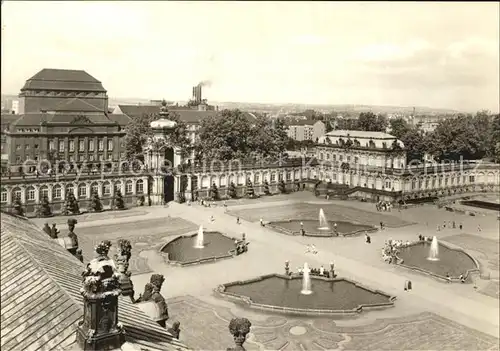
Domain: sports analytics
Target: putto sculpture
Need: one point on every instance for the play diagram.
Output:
(152, 293)
(239, 328)
(100, 329)
(122, 260)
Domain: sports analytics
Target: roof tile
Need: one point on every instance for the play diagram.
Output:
(44, 305)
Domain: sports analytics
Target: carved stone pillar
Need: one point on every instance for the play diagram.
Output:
(99, 188)
(100, 329)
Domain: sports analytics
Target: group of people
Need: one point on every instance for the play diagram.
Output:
(311, 249)
(314, 271)
(383, 206)
(452, 225)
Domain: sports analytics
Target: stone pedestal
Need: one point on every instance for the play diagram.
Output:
(99, 329)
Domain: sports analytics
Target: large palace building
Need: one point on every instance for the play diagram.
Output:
(64, 118)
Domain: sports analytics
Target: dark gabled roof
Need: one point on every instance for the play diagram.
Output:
(122, 120)
(41, 300)
(63, 79)
(76, 105)
(301, 122)
(133, 111)
(6, 119)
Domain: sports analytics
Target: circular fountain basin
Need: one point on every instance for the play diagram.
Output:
(312, 228)
(452, 261)
(182, 251)
(282, 294)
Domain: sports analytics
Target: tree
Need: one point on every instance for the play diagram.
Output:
(44, 209)
(370, 122)
(17, 207)
(71, 204)
(461, 136)
(266, 188)
(232, 190)
(399, 127)
(95, 203)
(249, 189)
(231, 134)
(118, 200)
(282, 186)
(214, 192)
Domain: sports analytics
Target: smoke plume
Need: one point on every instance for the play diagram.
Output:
(205, 83)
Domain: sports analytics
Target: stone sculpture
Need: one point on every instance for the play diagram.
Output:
(152, 293)
(122, 259)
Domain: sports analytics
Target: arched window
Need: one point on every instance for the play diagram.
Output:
(30, 194)
(56, 192)
(3, 195)
(16, 194)
(94, 188)
(44, 192)
(139, 187)
(70, 189)
(128, 187)
(107, 188)
(82, 191)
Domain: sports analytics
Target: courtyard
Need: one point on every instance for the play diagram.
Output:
(433, 316)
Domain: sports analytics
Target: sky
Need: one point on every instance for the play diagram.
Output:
(401, 54)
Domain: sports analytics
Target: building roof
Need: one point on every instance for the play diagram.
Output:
(189, 116)
(6, 119)
(301, 122)
(76, 105)
(63, 79)
(359, 134)
(41, 300)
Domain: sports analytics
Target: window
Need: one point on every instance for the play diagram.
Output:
(70, 190)
(101, 145)
(30, 194)
(109, 157)
(81, 145)
(36, 146)
(327, 156)
(139, 189)
(91, 157)
(94, 188)
(257, 178)
(44, 192)
(71, 145)
(3, 196)
(388, 184)
(27, 146)
(128, 187)
(18, 147)
(91, 145)
(118, 187)
(288, 175)
(51, 145)
(471, 179)
(82, 191)
(61, 146)
(100, 157)
(107, 189)
(273, 177)
(18, 159)
(56, 192)
(110, 145)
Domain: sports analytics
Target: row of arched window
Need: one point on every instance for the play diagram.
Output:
(82, 191)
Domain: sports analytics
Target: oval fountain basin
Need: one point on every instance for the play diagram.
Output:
(312, 227)
(449, 261)
(181, 250)
(278, 293)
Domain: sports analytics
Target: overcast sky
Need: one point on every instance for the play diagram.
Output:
(406, 54)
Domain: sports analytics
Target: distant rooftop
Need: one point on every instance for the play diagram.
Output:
(360, 134)
(63, 80)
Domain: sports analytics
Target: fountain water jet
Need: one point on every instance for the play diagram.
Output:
(306, 280)
(199, 244)
(434, 250)
(323, 223)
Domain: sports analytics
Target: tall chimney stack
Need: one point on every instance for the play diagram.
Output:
(197, 94)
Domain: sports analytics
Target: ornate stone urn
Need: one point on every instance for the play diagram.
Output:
(239, 328)
(100, 329)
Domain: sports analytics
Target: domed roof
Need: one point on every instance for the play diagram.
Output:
(163, 123)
